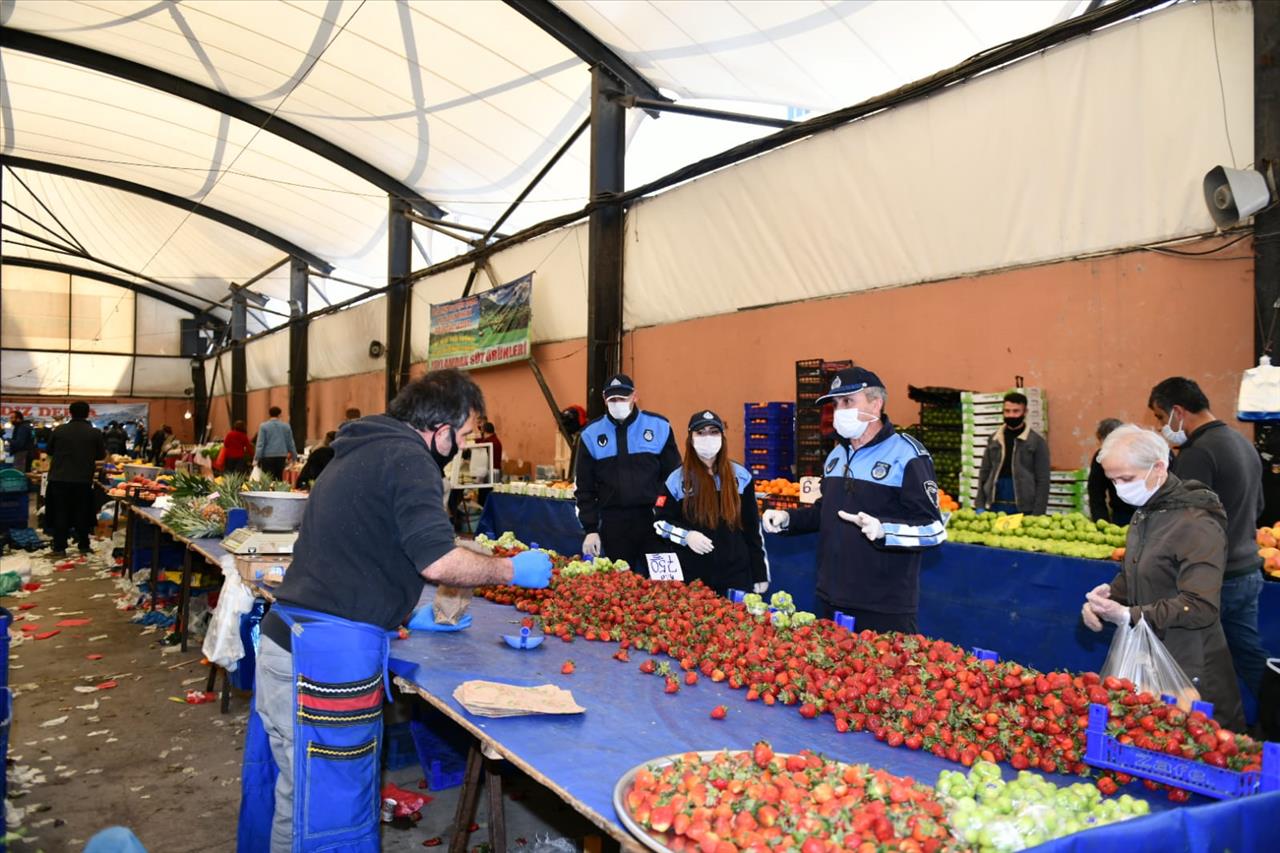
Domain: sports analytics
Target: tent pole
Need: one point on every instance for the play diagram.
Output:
(604, 229)
(399, 265)
(201, 394)
(1266, 151)
(299, 327)
(239, 369)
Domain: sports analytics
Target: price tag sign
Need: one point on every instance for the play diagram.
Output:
(810, 489)
(664, 567)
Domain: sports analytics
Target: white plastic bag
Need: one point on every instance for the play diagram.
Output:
(256, 473)
(222, 644)
(1260, 393)
(1138, 655)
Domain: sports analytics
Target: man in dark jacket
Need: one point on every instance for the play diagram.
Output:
(22, 443)
(116, 439)
(1014, 475)
(75, 447)
(877, 513)
(623, 459)
(1224, 460)
(1172, 571)
(1104, 505)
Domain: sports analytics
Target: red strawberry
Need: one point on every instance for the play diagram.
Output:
(566, 668)
(673, 686)
(691, 678)
(648, 667)
(719, 712)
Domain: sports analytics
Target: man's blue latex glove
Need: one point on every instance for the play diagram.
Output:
(424, 619)
(531, 569)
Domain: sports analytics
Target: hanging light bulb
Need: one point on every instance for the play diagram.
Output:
(186, 416)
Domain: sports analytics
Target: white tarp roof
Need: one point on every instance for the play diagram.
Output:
(462, 102)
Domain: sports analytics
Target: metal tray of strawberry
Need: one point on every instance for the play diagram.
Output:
(757, 800)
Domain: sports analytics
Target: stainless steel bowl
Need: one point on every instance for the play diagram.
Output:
(148, 471)
(275, 511)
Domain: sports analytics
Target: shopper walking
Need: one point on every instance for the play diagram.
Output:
(75, 448)
(1173, 567)
(1214, 454)
(22, 442)
(877, 513)
(708, 509)
(1014, 474)
(624, 457)
(374, 531)
(235, 449)
(275, 447)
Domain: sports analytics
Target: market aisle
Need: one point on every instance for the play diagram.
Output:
(83, 759)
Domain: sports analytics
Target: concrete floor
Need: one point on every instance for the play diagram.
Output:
(82, 761)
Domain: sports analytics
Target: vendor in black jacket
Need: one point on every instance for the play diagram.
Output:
(708, 509)
(877, 513)
(623, 459)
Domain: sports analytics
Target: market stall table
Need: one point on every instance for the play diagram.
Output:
(581, 757)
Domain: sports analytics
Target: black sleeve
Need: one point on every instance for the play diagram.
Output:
(668, 508)
(918, 521)
(806, 519)
(1195, 464)
(100, 447)
(1042, 476)
(984, 472)
(669, 459)
(754, 535)
(1098, 491)
(585, 490)
(418, 498)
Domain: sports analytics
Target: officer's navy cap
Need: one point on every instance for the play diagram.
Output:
(851, 380)
(705, 417)
(619, 385)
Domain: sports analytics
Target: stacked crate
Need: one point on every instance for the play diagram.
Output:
(815, 435)
(941, 430)
(1069, 491)
(770, 439)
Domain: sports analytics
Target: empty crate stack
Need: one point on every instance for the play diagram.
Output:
(770, 437)
(941, 431)
(814, 434)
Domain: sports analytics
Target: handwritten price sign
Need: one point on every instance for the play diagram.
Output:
(664, 567)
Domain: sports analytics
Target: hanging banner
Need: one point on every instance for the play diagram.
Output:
(43, 412)
(483, 330)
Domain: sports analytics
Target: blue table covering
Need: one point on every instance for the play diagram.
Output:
(549, 522)
(630, 720)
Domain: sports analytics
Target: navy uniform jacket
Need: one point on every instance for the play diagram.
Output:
(738, 560)
(891, 479)
(621, 466)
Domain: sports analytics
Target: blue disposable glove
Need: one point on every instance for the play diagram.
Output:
(424, 619)
(531, 569)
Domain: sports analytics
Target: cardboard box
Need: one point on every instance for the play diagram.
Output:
(263, 569)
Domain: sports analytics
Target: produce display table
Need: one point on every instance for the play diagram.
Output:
(210, 550)
(581, 757)
(1019, 604)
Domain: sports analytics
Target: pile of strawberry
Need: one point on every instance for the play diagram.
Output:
(755, 800)
(907, 690)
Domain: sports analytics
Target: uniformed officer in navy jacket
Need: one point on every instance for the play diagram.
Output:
(877, 513)
(623, 459)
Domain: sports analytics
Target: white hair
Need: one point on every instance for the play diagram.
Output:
(875, 392)
(1142, 447)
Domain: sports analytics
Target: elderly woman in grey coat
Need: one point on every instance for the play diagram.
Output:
(1172, 570)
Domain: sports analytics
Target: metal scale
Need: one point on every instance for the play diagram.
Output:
(246, 540)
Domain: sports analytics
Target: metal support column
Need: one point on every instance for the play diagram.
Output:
(239, 371)
(604, 253)
(299, 326)
(1266, 149)
(399, 263)
(200, 394)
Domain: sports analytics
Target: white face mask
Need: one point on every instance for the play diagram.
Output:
(848, 423)
(619, 410)
(707, 446)
(1136, 492)
(1175, 437)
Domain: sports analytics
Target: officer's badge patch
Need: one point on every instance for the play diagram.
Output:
(931, 489)
(880, 470)
(831, 464)
(648, 435)
(602, 440)
(835, 383)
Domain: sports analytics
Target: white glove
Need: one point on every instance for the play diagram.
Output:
(699, 543)
(760, 588)
(591, 545)
(775, 520)
(1108, 610)
(1091, 620)
(871, 526)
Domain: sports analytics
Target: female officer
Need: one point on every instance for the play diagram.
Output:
(708, 507)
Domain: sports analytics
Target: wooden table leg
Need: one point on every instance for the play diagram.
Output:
(226, 693)
(497, 817)
(155, 567)
(127, 568)
(184, 600)
(467, 799)
(115, 514)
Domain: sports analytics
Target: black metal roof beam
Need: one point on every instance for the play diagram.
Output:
(98, 275)
(172, 84)
(632, 101)
(65, 351)
(195, 207)
(564, 29)
(542, 173)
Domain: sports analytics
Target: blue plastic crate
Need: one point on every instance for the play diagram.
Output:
(768, 471)
(15, 509)
(771, 429)
(442, 747)
(1104, 751)
(398, 750)
(13, 481)
(770, 441)
(755, 414)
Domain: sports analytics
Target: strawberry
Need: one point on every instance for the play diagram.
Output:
(566, 668)
(691, 678)
(719, 712)
(648, 667)
(673, 686)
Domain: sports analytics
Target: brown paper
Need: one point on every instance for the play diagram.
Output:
(494, 699)
(450, 604)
